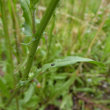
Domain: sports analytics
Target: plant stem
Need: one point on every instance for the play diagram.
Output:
(16, 31)
(33, 22)
(6, 36)
(38, 35)
(15, 27)
(34, 46)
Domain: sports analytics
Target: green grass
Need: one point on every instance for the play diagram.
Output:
(54, 54)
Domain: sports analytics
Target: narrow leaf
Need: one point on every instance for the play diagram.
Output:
(68, 61)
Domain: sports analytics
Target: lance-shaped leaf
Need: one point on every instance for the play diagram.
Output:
(69, 60)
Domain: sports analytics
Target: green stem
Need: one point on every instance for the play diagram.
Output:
(38, 35)
(33, 22)
(14, 19)
(34, 46)
(15, 23)
(6, 36)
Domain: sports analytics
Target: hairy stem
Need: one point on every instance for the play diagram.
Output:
(16, 30)
(33, 22)
(34, 46)
(38, 35)
(6, 36)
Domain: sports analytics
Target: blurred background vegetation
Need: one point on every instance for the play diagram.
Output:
(77, 28)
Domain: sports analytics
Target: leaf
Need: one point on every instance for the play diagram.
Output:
(60, 76)
(33, 3)
(59, 89)
(3, 87)
(68, 83)
(68, 61)
(67, 102)
(28, 94)
(85, 90)
(26, 12)
(107, 45)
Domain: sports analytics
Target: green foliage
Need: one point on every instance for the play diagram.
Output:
(25, 4)
(66, 61)
(33, 3)
(70, 70)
